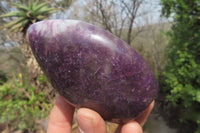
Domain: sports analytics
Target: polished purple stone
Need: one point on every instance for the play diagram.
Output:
(92, 68)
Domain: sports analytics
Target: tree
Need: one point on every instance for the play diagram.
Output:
(116, 16)
(181, 79)
(26, 97)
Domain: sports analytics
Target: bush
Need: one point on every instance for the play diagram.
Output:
(21, 106)
(181, 79)
(3, 77)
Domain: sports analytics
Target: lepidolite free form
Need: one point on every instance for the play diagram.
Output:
(93, 68)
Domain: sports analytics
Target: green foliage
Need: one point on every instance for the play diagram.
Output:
(22, 105)
(27, 15)
(181, 79)
(43, 79)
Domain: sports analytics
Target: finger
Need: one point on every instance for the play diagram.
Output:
(141, 119)
(131, 127)
(60, 120)
(90, 121)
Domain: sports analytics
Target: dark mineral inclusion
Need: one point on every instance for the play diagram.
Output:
(92, 68)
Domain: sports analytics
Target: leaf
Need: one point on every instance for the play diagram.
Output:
(20, 7)
(13, 14)
(198, 96)
(30, 6)
(18, 26)
(14, 22)
(46, 11)
(41, 17)
(39, 6)
(35, 4)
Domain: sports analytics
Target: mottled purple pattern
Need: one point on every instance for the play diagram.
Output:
(92, 68)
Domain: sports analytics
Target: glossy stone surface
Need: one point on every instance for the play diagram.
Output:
(92, 68)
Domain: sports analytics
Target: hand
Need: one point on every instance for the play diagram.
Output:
(89, 121)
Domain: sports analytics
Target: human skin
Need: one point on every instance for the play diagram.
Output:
(89, 121)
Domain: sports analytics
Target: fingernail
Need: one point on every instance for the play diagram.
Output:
(132, 127)
(86, 122)
(80, 130)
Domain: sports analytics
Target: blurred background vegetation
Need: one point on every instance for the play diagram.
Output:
(165, 32)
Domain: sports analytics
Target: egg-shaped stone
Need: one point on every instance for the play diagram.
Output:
(90, 67)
